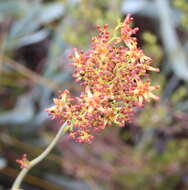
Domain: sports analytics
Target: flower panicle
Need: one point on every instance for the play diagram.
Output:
(114, 74)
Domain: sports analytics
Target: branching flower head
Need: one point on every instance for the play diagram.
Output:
(114, 74)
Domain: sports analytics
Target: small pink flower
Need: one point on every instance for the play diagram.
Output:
(24, 162)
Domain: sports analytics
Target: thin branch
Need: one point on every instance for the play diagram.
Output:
(24, 171)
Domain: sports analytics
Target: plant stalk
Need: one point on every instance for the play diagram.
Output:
(24, 171)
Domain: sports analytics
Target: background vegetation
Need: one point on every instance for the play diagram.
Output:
(35, 40)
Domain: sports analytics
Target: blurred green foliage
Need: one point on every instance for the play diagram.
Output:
(86, 15)
(183, 5)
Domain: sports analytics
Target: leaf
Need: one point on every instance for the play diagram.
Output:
(23, 31)
(33, 38)
(50, 12)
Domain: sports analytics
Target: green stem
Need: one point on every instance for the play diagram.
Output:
(24, 171)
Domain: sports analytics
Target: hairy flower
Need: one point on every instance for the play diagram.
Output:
(113, 73)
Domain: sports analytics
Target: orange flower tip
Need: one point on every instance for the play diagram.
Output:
(157, 86)
(70, 56)
(153, 96)
(50, 110)
(47, 110)
(136, 29)
(128, 19)
(153, 69)
(66, 91)
(157, 98)
(68, 122)
(93, 39)
(140, 105)
(157, 70)
(105, 26)
(98, 27)
(129, 16)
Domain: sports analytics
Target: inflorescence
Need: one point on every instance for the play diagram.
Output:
(114, 74)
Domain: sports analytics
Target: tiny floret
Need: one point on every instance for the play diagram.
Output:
(114, 76)
(24, 162)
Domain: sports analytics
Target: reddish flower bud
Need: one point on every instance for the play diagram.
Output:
(24, 162)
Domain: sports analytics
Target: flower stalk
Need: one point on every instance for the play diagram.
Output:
(30, 164)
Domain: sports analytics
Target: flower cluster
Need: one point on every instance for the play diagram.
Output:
(114, 74)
